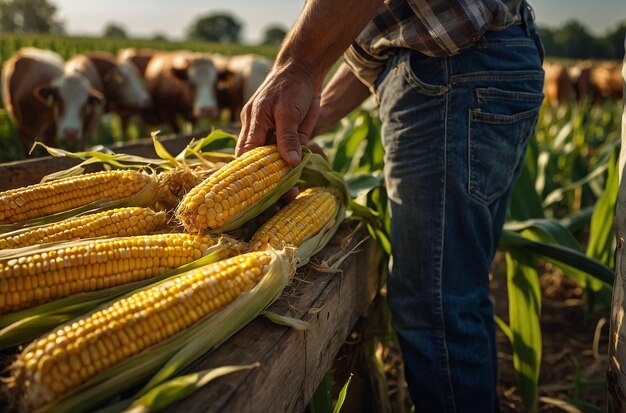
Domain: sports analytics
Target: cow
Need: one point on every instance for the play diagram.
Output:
(182, 84)
(241, 77)
(606, 78)
(122, 84)
(138, 57)
(85, 105)
(44, 98)
(558, 87)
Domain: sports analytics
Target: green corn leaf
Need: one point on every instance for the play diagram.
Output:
(181, 387)
(525, 202)
(504, 327)
(342, 396)
(524, 312)
(359, 185)
(511, 241)
(601, 231)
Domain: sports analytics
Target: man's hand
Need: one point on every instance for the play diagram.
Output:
(288, 102)
(286, 105)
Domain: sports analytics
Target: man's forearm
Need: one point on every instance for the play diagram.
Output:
(323, 32)
(344, 93)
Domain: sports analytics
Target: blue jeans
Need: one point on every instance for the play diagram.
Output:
(455, 131)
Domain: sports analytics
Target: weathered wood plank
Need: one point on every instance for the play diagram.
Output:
(293, 363)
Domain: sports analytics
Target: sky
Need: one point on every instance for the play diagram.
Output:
(171, 17)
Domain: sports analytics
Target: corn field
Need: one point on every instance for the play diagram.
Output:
(561, 215)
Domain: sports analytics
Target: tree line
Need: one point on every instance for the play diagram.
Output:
(572, 40)
(40, 16)
(575, 41)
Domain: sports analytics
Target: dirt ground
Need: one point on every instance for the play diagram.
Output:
(573, 366)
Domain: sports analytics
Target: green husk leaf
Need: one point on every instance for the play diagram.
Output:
(104, 155)
(167, 358)
(178, 388)
(283, 320)
(161, 151)
(26, 325)
(315, 244)
(318, 172)
(290, 180)
(196, 147)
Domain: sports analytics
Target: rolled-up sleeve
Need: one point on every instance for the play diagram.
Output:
(365, 67)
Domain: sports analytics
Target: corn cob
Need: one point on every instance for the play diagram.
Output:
(74, 353)
(89, 265)
(233, 188)
(39, 200)
(300, 220)
(120, 222)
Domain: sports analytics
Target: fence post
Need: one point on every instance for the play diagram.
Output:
(616, 375)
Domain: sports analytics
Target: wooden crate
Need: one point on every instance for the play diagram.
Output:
(293, 363)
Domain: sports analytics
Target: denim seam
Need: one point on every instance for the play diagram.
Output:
(485, 117)
(507, 43)
(509, 76)
(499, 94)
(416, 83)
(446, 358)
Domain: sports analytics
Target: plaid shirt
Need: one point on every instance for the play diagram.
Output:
(436, 28)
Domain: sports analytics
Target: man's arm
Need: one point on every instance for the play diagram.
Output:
(288, 101)
(344, 93)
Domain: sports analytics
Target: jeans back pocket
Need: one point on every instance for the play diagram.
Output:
(499, 129)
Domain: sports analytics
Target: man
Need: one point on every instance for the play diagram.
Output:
(459, 85)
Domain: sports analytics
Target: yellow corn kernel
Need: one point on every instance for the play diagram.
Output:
(47, 198)
(168, 307)
(120, 222)
(232, 189)
(91, 265)
(300, 220)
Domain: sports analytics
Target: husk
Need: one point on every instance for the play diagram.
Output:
(167, 358)
(315, 244)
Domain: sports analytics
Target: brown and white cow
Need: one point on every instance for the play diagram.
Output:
(44, 98)
(182, 84)
(243, 76)
(607, 81)
(558, 87)
(122, 84)
(83, 100)
(138, 57)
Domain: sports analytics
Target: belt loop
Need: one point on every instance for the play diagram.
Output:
(526, 15)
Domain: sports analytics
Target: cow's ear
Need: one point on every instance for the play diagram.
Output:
(96, 97)
(180, 73)
(180, 67)
(225, 75)
(45, 93)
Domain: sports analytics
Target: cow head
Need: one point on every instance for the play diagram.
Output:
(127, 85)
(201, 75)
(73, 102)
